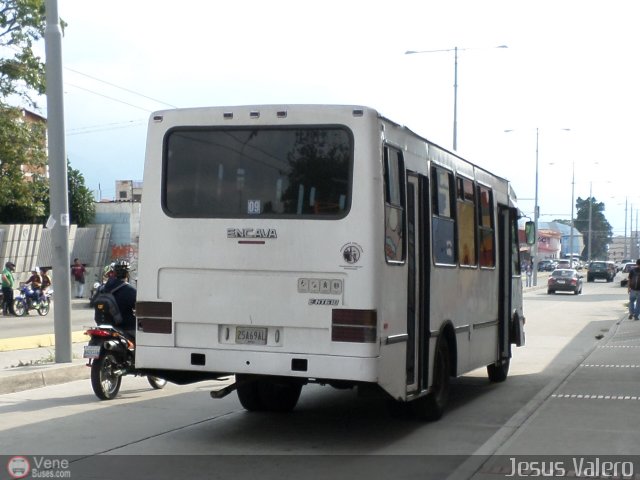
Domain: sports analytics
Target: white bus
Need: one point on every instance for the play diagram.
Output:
(304, 243)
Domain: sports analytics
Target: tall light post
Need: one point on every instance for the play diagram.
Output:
(590, 221)
(573, 196)
(536, 215)
(455, 82)
(536, 208)
(626, 200)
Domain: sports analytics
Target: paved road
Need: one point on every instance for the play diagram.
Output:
(34, 324)
(67, 420)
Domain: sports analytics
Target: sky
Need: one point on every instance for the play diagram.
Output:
(569, 64)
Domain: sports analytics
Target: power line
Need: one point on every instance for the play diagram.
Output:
(105, 127)
(121, 88)
(110, 98)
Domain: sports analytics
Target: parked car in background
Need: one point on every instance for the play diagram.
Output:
(546, 265)
(620, 265)
(602, 270)
(625, 271)
(565, 280)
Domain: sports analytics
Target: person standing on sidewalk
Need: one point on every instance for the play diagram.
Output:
(8, 284)
(633, 287)
(78, 271)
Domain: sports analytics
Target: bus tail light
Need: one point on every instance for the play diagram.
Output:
(358, 326)
(154, 317)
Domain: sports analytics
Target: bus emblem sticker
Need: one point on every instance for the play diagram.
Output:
(351, 253)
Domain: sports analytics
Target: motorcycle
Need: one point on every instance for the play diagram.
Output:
(111, 355)
(24, 301)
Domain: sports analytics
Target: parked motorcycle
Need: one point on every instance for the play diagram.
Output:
(111, 355)
(24, 301)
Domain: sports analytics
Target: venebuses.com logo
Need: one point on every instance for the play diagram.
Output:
(19, 466)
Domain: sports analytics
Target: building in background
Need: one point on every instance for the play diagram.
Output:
(128, 191)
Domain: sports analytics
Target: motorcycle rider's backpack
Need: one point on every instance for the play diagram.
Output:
(106, 308)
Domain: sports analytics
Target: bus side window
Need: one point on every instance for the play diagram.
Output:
(466, 201)
(515, 245)
(485, 228)
(443, 220)
(394, 205)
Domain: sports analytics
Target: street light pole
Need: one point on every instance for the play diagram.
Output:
(626, 200)
(455, 83)
(455, 99)
(536, 209)
(590, 220)
(573, 188)
(536, 215)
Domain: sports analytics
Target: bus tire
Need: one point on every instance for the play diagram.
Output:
(279, 396)
(431, 407)
(249, 394)
(498, 371)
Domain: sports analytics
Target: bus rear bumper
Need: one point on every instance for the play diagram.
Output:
(226, 362)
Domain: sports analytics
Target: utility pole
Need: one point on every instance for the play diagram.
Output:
(58, 189)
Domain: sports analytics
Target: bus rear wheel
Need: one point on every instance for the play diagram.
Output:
(249, 394)
(431, 407)
(272, 395)
(280, 396)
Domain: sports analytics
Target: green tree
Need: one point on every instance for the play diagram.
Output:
(22, 143)
(82, 208)
(22, 73)
(24, 189)
(601, 232)
(23, 160)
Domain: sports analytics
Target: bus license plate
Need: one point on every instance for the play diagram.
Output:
(91, 351)
(251, 336)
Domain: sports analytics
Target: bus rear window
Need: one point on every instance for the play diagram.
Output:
(244, 172)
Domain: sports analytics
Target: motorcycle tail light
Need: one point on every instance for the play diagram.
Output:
(98, 332)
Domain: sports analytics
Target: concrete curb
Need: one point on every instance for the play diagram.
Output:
(26, 378)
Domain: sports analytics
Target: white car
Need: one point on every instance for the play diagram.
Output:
(625, 273)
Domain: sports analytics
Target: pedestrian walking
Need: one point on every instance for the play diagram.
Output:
(633, 286)
(8, 284)
(529, 273)
(78, 271)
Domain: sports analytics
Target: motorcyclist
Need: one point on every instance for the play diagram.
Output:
(46, 283)
(125, 297)
(35, 282)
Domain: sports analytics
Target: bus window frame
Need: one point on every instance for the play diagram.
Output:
(401, 208)
(190, 128)
(482, 228)
(460, 199)
(436, 217)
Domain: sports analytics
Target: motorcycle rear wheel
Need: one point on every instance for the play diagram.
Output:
(43, 309)
(156, 382)
(105, 383)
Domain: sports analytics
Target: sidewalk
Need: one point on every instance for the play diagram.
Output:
(35, 367)
(591, 413)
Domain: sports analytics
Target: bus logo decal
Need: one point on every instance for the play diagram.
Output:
(351, 253)
(252, 233)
